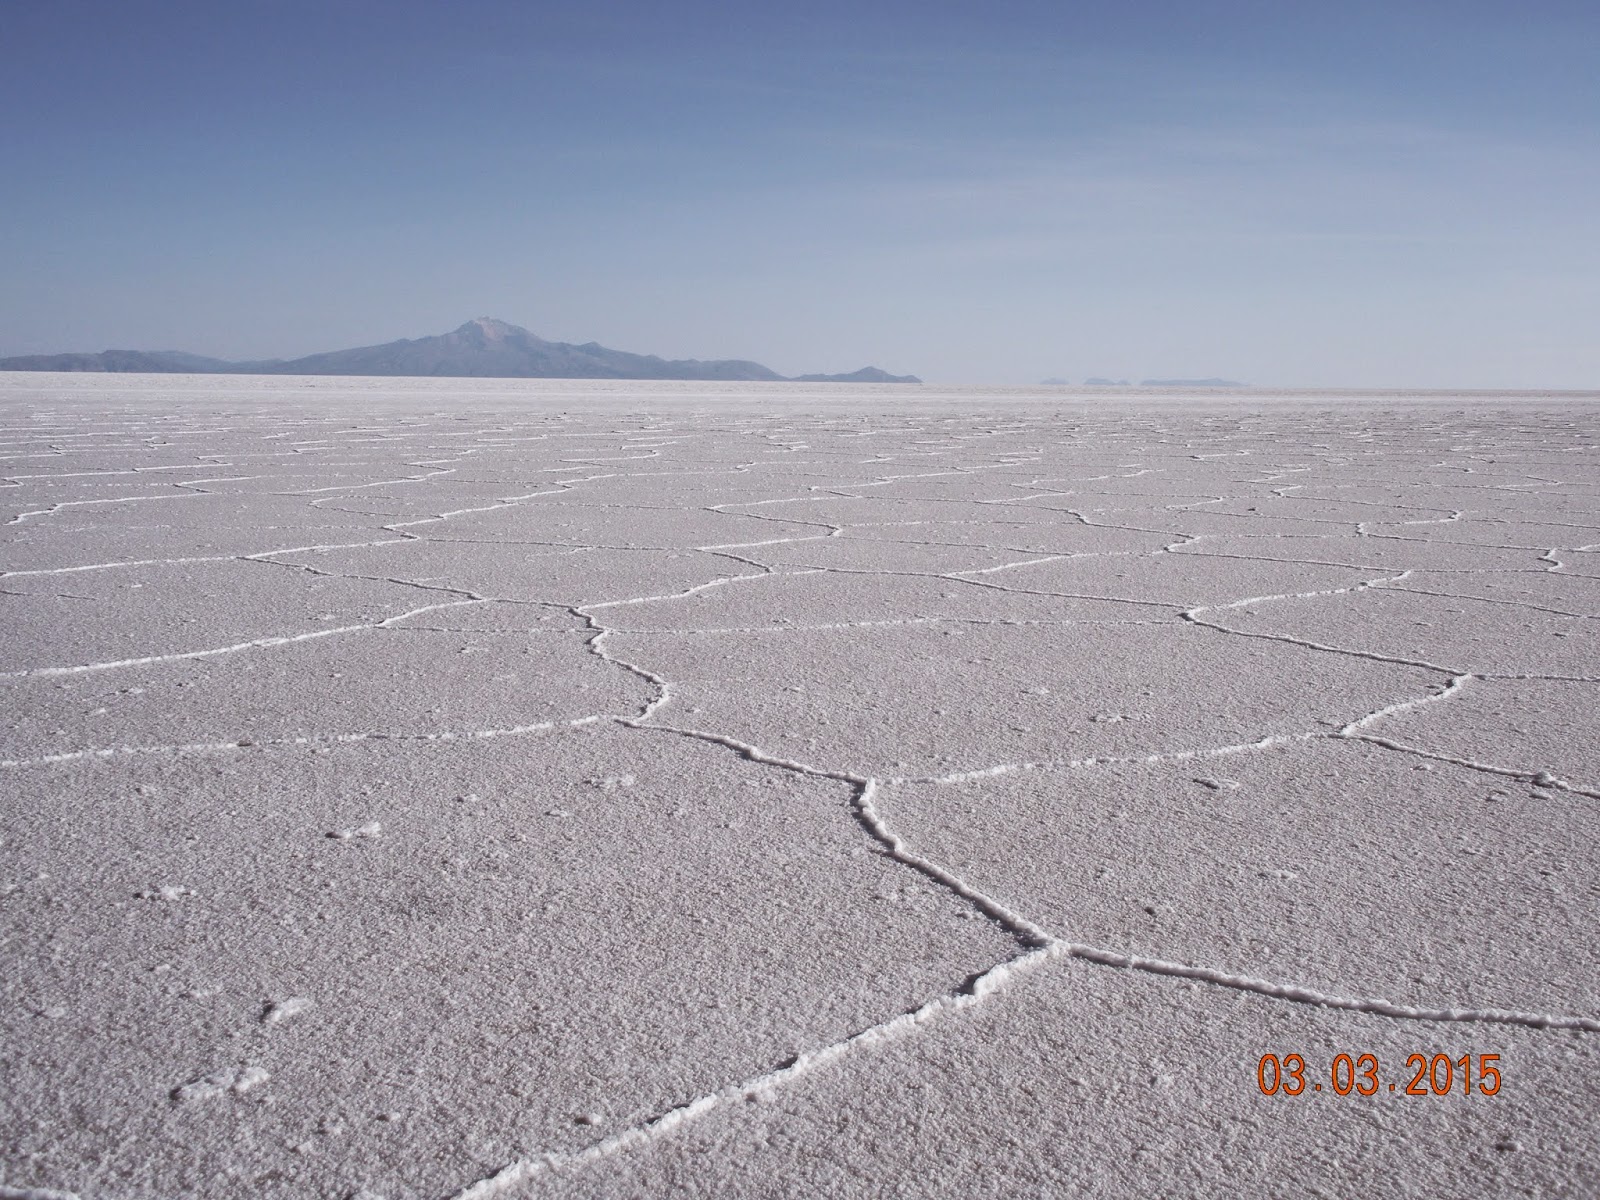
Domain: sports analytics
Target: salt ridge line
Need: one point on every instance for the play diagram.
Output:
(1193, 616)
(355, 487)
(1316, 999)
(803, 1064)
(195, 484)
(1029, 934)
(320, 739)
(204, 558)
(32, 1193)
(1195, 538)
(1479, 518)
(253, 644)
(469, 596)
(693, 590)
(195, 466)
(1542, 779)
(1270, 742)
(1556, 612)
(1435, 542)
(1451, 689)
(961, 576)
(22, 517)
(886, 623)
(596, 644)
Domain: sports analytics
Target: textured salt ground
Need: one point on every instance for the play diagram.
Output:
(1380, 494)
(1085, 539)
(1203, 523)
(1586, 564)
(806, 600)
(1499, 531)
(875, 509)
(508, 953)
(1291, 505)
(1081, 1081)
(495, 616)
(1382, 555)
(1016, 694)
(1013, 530)
(183, 525)
(848, 552)
(1523, 727)
(1298, 863)
(551, 522)
(389, 682)
(304, 959)
(708, 485)
(321, 487)
(1562, 591)
(1465, 634)
(135, 612)
(1177, 581)
(545, 574)
(26, 500)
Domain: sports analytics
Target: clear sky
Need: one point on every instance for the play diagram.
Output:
(1286, 193)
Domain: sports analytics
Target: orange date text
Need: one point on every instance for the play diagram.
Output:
(1423, 1075)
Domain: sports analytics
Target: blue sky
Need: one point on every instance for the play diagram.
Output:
(1357, 194)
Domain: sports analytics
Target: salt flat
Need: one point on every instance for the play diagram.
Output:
(453, 788)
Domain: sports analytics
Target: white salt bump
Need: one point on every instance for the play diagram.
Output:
(284, 1009)
(250, 1077)
(209, 1087)
(169, 893)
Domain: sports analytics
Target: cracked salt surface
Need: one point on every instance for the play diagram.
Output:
(603, 789)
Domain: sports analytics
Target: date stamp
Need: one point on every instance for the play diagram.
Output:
(1424, 1075)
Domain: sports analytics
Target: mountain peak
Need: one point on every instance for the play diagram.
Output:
(492, 329)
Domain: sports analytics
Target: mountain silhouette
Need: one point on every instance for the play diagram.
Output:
(484, 348)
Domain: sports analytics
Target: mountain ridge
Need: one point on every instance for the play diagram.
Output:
(482, 348)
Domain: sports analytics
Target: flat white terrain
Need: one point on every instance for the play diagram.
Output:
(504, 788)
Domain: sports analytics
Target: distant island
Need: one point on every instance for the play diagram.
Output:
(484, 348)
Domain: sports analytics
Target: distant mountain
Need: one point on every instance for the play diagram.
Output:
(484, 348)
(154, 361)
(487, 347)
(1191, 383)
(864, 375)
(1096, 381)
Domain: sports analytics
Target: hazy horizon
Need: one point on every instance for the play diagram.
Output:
(1362, 197)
